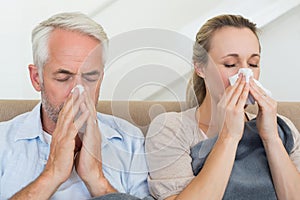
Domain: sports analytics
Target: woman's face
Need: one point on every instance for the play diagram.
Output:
(230, 49)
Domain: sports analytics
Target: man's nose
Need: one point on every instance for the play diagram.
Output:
(78, 79)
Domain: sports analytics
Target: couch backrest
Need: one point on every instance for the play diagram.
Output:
(140, 113)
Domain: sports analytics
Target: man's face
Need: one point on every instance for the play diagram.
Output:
(73, 59)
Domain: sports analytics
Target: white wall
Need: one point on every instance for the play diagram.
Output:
(17, 20)
(280, 56)
(280, 46)
(280, 68)
(14, 52)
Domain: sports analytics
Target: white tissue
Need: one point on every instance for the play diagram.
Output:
(80, 87)
(248, 73)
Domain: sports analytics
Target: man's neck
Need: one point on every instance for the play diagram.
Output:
(47, 124)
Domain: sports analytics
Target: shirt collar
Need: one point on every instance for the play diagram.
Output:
(31, 127)
(109, 127)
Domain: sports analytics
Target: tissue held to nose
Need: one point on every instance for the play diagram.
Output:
(245, 71)
(77, 115)
(80, 87)
(248, 73)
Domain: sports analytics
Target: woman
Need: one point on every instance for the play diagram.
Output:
(218, 128)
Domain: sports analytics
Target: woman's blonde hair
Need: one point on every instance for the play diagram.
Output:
(196, 90)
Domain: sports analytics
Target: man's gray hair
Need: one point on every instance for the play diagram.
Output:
(73, 21)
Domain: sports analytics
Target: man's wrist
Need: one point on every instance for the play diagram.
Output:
(42, 188)
(50, 180)
(99, 186)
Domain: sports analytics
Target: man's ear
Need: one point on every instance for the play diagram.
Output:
(34, 77)
(199, 69)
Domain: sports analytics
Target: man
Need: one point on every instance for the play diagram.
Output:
(42, 153)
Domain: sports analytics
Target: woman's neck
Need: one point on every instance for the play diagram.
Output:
(206, 118)
(204, 115)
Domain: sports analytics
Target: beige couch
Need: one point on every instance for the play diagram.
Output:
(140, 113)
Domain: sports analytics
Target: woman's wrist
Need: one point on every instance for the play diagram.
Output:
(229, 138)
(272, 142)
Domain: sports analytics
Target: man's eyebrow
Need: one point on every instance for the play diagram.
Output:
(95, 72)
(63, 71)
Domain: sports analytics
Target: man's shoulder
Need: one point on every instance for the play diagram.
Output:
(14, 122)
(20, 119)
(9, 130)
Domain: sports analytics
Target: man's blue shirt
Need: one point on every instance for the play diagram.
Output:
(24, 152)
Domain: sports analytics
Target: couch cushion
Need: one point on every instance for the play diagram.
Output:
(140, 113)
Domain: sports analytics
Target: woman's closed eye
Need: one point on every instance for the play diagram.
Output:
(253, 65)
(229, 65)
(235, 65)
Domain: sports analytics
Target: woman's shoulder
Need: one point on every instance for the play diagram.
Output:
(294, 130)
(289, 123)
(175, 126)
(170, 117)
(295, 152)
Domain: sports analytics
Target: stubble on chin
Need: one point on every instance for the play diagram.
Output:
(51, 110)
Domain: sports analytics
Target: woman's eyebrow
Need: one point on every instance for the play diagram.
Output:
(254, 55)
(231, 55)
(236, 55)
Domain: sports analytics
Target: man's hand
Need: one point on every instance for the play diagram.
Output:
(89, 160)
(61, 158)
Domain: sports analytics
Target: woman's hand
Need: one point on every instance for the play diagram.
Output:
(231, 110)
(267, 113)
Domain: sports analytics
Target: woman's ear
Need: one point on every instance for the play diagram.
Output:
(34, 77)
(199, 69)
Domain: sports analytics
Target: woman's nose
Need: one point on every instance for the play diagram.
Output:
(244, 65)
